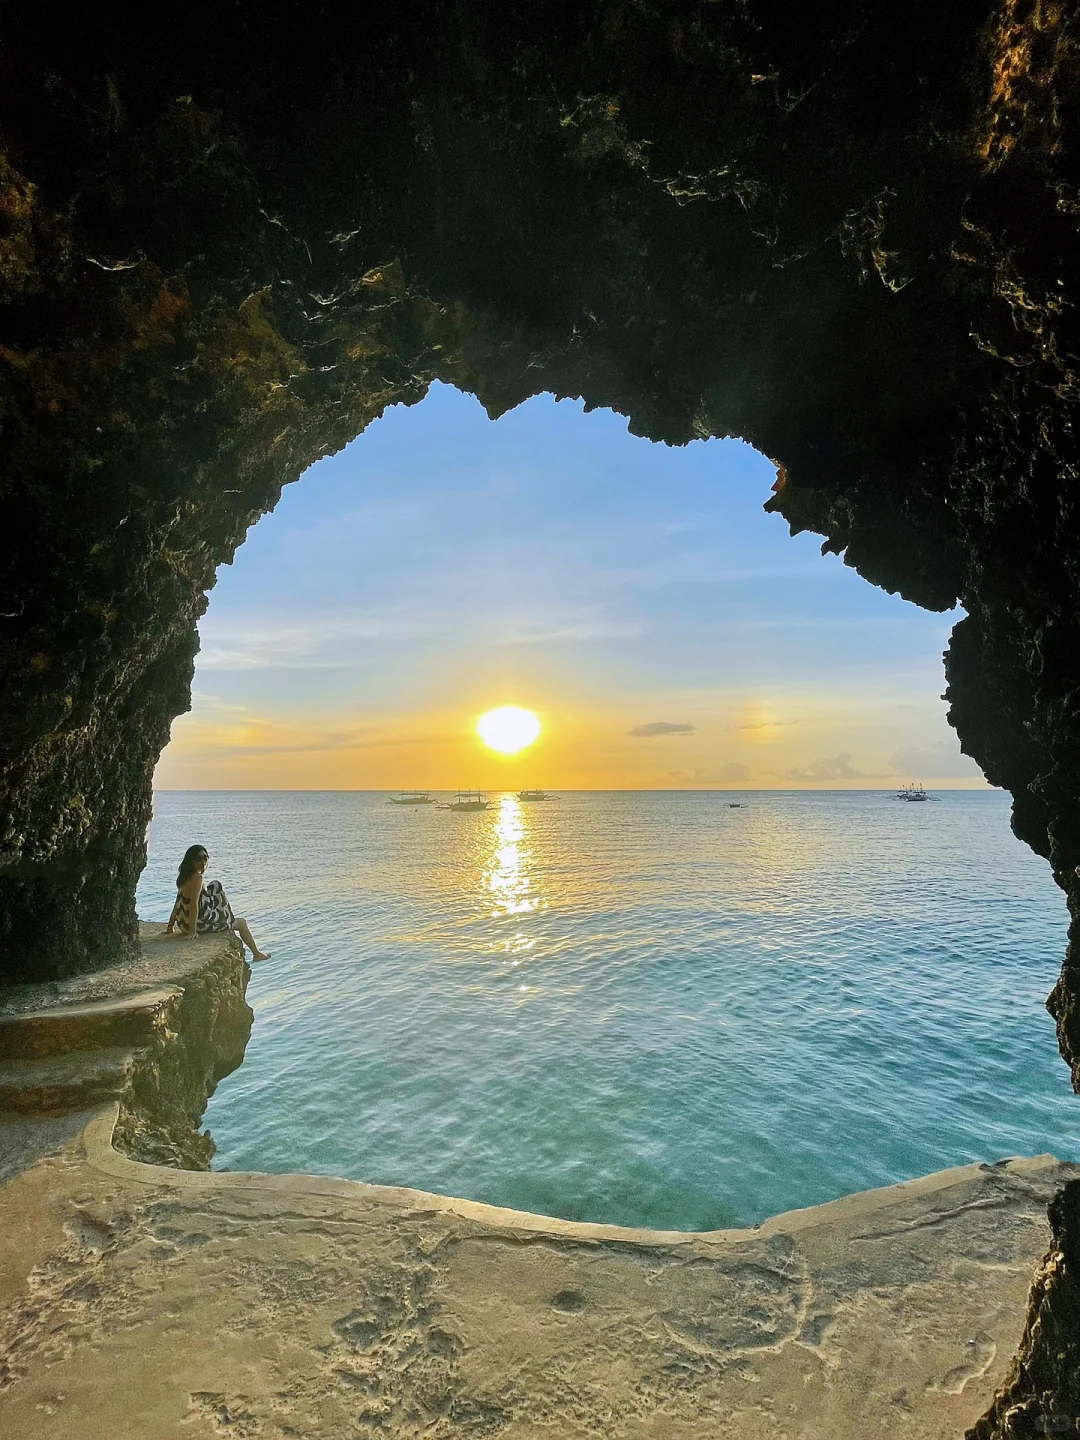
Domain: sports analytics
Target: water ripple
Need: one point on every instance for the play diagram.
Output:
(640, 1008)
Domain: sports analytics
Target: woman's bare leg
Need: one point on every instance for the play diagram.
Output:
(241, 928)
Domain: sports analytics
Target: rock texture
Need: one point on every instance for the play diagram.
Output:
(1041, 1395)
(138, 1303)
(845, 232)
(157, 1034)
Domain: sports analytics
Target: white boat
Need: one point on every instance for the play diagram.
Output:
(534, 795)
(468, 800)
(411, 797)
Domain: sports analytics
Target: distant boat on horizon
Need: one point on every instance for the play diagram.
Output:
(412, 797)
(911, 791)
(534, 795)
(468, 800)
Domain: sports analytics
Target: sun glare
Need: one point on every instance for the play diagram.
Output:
(508, 729)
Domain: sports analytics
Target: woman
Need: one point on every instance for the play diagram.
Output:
(206, 901)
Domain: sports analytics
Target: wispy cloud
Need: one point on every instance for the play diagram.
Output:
(216, 731)
(941, 761)
(581, 630)
(315, 642)
(727, 774)
(322, 640)
(833, 767)
(764, 724)
(660, 727)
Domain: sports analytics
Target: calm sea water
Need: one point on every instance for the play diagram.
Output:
(644, 1008)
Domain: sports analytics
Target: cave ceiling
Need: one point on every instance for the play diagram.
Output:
(232, 235)
(229, 239)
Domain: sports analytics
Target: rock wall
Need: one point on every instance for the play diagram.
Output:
(204, 1040)
(847, 236)
(1041, 1395)
(845, 232)
(153, 1035)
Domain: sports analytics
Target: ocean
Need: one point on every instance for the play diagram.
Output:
(641, 1008)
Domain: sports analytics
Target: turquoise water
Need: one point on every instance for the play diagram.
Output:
(642, 1008)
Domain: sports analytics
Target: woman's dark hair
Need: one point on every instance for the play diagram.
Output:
(192, 855)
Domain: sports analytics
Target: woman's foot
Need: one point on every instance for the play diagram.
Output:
(243, 929)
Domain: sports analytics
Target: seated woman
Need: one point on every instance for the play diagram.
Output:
(205, 900)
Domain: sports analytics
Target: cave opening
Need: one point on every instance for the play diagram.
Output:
(727, 716)
(442, 560)
(847, 234)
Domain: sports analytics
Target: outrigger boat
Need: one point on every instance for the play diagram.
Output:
(534, 795)
(912, 791)
(468, 800)
(411, 797)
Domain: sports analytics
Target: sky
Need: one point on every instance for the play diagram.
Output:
(668, 633)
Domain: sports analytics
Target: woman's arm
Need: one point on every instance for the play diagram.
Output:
(173, 916)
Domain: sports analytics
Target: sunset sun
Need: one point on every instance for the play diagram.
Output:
(508, 729)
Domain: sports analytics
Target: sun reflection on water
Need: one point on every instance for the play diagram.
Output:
(509, 876)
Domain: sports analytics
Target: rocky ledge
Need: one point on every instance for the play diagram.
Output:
(138, 1302)
(142, 1301)
(155, 1034)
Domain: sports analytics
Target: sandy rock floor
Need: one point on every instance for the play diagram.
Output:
(139, 1302)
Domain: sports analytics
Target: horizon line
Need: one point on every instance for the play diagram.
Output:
(571, 789)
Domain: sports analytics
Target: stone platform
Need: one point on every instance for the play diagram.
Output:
(155, 1035)
(139, 1302)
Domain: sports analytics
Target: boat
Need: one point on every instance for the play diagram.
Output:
(468, 800)
(411, 797)
(911, 791)
(534, 795)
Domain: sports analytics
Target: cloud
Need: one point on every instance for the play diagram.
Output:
(319, 640)
(574, 631)
(726, 774)
(941, 761)
(660, 727)
(733, 770)
(313, 642)
(215, 731)
(833, 767)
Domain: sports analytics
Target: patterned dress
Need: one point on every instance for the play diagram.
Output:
(215, 912)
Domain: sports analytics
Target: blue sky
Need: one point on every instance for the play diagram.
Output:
(443, 564)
